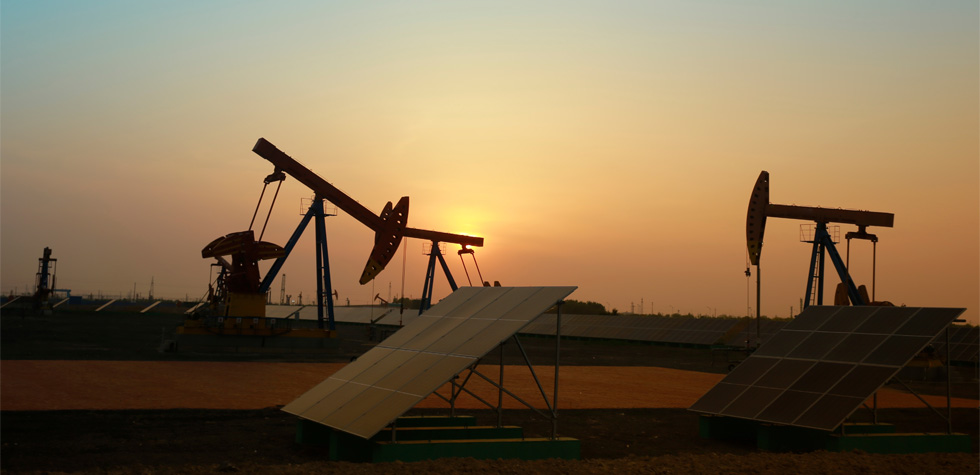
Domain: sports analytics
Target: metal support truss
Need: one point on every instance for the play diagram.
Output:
(822, 243)
(456, 389)
(430, 276)
(948, 417)
(323, 285)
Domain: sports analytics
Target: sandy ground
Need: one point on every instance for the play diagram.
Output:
(27, 385)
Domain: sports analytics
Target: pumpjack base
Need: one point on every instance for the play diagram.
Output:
(251, 335)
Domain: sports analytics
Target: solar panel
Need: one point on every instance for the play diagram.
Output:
(367, 394)
(768, 329)
(964, 343)
(700, 331)
(824, 364)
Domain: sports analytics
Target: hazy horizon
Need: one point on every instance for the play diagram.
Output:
(611, 146)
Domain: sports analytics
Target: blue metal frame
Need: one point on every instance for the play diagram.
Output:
(430, 277)
(822, 242)
(274, 270)
(323, 286)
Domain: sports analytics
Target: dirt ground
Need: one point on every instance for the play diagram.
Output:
(647, 440)
(134, 385)
(138, 411)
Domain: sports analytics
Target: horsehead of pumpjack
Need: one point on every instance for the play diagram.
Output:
(386, 238)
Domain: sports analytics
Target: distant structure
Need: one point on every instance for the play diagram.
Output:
(44, 281)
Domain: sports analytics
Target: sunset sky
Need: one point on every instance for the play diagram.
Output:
(608, 145)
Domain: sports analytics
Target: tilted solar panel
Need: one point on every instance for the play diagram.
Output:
(367, 394)
(824, 364)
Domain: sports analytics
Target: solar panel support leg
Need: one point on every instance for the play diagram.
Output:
(874, 408)
(949, 402)
(452, 396)
(500, 390)
(554, 396)
(534, 375)
(906, 386)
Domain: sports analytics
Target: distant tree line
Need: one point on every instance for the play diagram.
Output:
(408, 303)
(576, 307)
(571, 307)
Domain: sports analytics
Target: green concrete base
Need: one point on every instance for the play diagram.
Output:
(435, 421)
(779, 438)
(726, 428)
(312, 433)
(868, 428)
(450, 433)
(872, 438)
(426, 438)
(525, 449)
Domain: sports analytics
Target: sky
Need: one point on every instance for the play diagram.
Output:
(607, 145)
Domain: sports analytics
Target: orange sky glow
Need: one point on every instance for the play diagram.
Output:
(608, 145)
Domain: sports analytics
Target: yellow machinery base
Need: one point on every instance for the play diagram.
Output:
(248, 334)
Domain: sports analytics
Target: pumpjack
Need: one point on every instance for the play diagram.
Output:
(822, 243)
(238, 294)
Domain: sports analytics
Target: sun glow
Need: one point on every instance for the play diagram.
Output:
(467, 220)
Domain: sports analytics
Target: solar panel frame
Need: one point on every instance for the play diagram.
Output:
(784, 373)
(767, 329)
(892, 351)
(821, 375)
(820, 367)
(789, 340)
(966, 347)
(752, 401)
(816, 345)
(648, 328)
(718, 397)
(830, 407)
(751, 370)
(367, 394)
(788, 406)
(845, 319)
(412, 367)
(466, 330)
(862, 381)
(886, 322)
(855, 347)
(928, 326)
